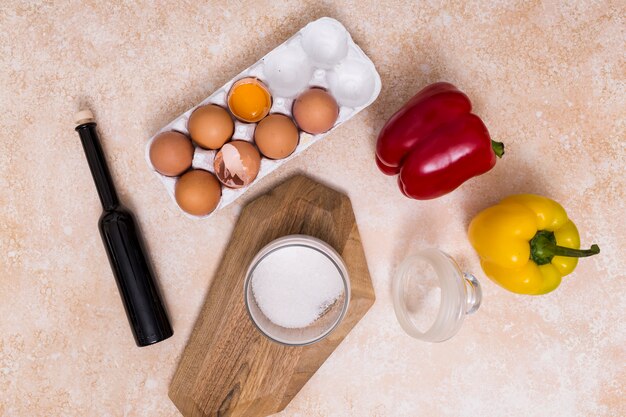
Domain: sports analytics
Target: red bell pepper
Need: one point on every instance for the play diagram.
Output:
(435, 143)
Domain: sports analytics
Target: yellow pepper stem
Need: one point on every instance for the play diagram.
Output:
(543, 248)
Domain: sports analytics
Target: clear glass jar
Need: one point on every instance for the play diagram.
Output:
(459, 293)
(331, 316)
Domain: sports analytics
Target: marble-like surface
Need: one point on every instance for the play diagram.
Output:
(549, 79)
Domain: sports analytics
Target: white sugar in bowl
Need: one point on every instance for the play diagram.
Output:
(297, 290)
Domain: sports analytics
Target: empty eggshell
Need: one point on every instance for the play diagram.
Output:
(198, 192)
(325, 42)
(171, 153)
(352, 82)
(210, 126)
(287, 70)
(315, 111)
(237, 164)
(276, 136)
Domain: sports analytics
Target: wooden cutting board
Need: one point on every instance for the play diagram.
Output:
(228, 367)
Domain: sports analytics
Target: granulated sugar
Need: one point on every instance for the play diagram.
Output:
(295, 285)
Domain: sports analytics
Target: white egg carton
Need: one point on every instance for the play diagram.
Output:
(322, 54)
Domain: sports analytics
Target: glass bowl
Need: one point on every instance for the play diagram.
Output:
(423, 278)
(331, 314)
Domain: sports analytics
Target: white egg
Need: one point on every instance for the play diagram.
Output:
(326, 42)
(352, 82)
(287, 71)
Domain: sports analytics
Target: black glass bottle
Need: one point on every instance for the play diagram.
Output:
(124, 246)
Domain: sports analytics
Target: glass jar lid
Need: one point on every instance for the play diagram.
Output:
(432, 280)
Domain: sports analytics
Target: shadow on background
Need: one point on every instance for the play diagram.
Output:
(510, 176)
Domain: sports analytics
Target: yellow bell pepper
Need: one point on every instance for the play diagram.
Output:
(526, 243)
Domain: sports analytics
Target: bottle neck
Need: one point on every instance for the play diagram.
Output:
(97, 165)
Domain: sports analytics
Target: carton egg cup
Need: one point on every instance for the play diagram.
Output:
(322, 54)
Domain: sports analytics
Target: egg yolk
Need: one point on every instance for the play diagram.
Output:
(249, 100)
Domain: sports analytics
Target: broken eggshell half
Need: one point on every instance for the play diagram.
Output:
(237, 164)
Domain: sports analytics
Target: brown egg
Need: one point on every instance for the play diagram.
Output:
(171, 153)
(276, 136)
(237, 164)
(315, 111)
(198, 192)
(210, 126)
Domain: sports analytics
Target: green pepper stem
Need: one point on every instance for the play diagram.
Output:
(543, 248)
(498, 148)
(575, 253)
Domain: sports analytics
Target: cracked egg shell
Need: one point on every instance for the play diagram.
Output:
(249, 100)
(237, 164)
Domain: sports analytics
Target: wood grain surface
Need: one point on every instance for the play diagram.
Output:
(228, 367)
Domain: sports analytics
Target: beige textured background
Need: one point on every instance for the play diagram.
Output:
(549, 80)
